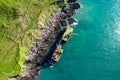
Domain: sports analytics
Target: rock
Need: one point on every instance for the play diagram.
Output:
(28, 61)
(56, 24)
(70, 13)
(74, 6)
(71, 21)
(25, 78)
(63, 16)
(71, 1)
(63, 22)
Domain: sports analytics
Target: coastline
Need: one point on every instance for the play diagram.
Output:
(40, 48)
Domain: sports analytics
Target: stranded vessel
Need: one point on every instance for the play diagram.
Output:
(56, 51)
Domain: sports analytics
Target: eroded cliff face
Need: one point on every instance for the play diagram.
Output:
(39, 51)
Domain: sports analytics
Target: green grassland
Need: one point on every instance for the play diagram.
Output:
(20, 23)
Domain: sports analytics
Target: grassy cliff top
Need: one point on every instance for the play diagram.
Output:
(20, 23)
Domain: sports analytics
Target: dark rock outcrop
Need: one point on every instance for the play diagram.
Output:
(74, 6)
(71, 21)
(71, 1)
(25, 78)
(63, 22)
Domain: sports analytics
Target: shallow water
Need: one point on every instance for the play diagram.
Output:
(94, 53)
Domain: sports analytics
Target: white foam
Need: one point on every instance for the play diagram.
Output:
(81, 6)
(75, 23)
(51, 66)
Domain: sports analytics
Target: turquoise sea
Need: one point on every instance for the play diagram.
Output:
(94, 53)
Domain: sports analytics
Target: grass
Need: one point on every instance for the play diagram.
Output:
(20, 23)
(8, 59)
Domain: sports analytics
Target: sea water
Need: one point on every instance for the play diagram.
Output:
(93, 51)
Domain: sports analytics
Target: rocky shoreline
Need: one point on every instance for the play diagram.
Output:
(58, 21)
